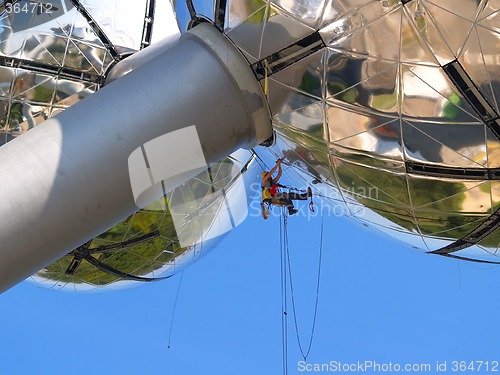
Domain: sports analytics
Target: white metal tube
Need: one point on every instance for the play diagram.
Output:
(67, 180)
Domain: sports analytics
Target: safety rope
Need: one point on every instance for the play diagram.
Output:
(286, 263)
(284, 321)
(174, 308)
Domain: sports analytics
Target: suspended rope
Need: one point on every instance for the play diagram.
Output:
(284, 322)
(174, 308)
(261, 162)
(288, 269)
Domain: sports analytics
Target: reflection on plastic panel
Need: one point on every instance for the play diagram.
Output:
(453, 24)
(449, 195)
(6, 77)
(375, 136)
(309, 119)
(382, 185)
(435, 143)
(239, 11)
(447, 224)
(122, 21)
(306, 75)
(352, 78)
(431, 35)
(162, 254)
(435, 243)
(342, 18)
(248, 35)
(280, 31)
(428, 93)
(492, 242)
(307, 11)
(285, 99)
(478, 253)
(480, 59)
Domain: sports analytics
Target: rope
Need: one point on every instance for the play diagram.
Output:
(261, 162)
(284, 245)
(173, 309)
(284, 322)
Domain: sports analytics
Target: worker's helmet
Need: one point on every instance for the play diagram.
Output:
(264, 174)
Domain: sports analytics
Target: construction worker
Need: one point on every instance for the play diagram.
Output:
(271, 194)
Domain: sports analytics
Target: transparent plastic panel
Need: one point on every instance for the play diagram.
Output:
(488, 9)
(362, 81)
(7, 76)
(364, 84)
(430, 34)
(306, 11)
(495, 195)
(440, 144)
(280, 31)
(492, 242)
(374, 144)
(239, 11)
(344, 123)
(427, 93)
(479, 253)
(378, 185)
(468, 9)
(493, 146)
(121, 20)
(309, 119)
(452, 26)
(376, 161)
(164, 22)
(285, 99)
(411, 238)
(67, 41)
(308, 156)
(248, 34)
(392, 217)
(480, 59)
(450, 195)
(415, 48)
(342, 18)
(146, 244)
(380, 38)
(305, 76)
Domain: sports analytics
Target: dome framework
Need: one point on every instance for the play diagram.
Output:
(393, 106)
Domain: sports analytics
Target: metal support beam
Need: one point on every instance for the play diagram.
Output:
(68, 179)
(147, 32)
(62, 72)
(288, 56)
(473, 95)
(444, 171)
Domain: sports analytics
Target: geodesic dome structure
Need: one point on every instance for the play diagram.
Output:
(391, 107)
(394, 105)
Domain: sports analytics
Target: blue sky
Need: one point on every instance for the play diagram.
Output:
(379, 301)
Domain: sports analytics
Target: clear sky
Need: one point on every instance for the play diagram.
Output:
(379, 301)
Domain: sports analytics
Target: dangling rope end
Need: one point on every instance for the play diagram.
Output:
(311, 206)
